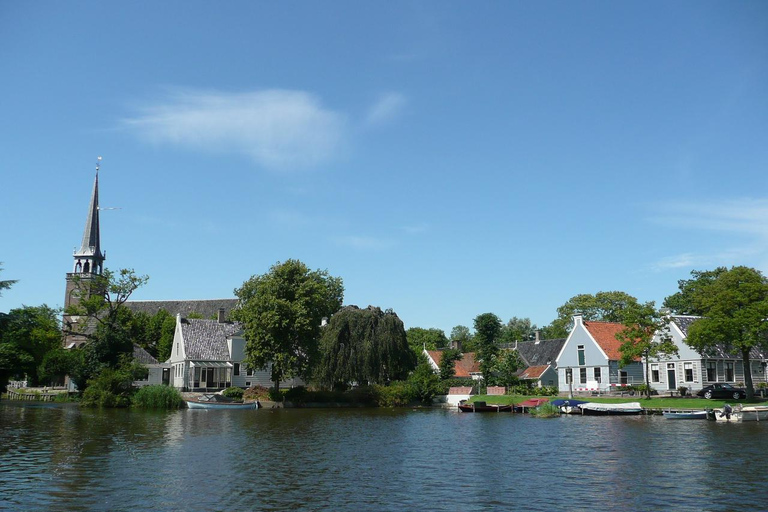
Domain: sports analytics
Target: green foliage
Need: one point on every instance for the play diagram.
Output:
(735, 308)
(684, 302)
(602, 307)
(156, 397)
(364, 346)
(300, 395)
(487, 332)
(420, 338)
(424, 382)
(5, 285)
(448, 363)
(463, 335)
(645, 336)
(27, 334)
(396, 394)
(281, 312)
(60, 362)
(235, 393)
(112, 387)
(503, 368)
(154, 333)
(257, 393)
(517, 329)
(545, 410)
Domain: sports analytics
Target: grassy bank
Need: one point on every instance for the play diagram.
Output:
(654, 403)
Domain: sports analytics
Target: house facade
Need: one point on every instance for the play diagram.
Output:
(589, 359)
(695, 370)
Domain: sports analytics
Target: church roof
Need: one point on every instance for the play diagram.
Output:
(207, 309)
(91, 244)
(207, 339)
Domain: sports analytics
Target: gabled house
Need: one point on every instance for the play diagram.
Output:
(208, 355)
(589, 359)
(466, 368)
(157, 372)
(695, 370)
(539, 358)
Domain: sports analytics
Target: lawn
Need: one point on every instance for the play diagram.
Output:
(653, 403)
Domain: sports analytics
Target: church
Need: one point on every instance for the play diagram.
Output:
(208, 351)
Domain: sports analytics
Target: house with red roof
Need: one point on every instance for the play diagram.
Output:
(589, 359)
(466, 368)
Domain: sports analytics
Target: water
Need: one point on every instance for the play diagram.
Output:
(60, 457)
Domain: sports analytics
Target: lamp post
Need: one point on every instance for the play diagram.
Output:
(569, 379)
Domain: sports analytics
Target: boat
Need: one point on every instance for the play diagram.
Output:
(568, 406)
(483, 407)
(600, 409)
(685, 415)
(740, 413)
(216, 401)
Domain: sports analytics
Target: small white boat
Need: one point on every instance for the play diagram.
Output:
(685, 415)
(741, 413)
(216, 401)
(601, 409)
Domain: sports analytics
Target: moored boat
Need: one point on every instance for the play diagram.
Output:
(216, 401)
(685, 415)
(601, 409)
(740, 413)
(484, 407)
(568, 406)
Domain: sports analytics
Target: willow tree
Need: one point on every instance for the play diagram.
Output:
(281, 312)
(364, 346)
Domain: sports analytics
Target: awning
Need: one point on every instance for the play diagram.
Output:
(211, 364)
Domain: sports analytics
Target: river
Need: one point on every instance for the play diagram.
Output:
(61, 457)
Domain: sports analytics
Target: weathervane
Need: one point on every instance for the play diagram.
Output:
(98, 164)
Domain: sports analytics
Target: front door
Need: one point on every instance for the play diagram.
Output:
(209, 382)
(671, 377)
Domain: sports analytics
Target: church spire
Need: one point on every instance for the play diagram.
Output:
(89, 259)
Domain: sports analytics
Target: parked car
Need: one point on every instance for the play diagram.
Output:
(722, 391)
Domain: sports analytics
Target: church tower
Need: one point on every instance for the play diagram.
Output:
(89, 259)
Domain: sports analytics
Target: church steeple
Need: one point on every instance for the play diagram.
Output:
(89, 259)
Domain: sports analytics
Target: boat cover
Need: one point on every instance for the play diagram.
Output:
(567, 402)
(594, 406)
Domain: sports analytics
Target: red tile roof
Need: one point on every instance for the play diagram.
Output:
(604, 334)
(534, 372)
(464, 367)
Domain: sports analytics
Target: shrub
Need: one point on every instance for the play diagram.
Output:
(396, 394)
(110, 388)
(235, 393)
(257, 393)
(157, 397)
(545, 410)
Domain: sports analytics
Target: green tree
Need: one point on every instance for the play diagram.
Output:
(448, 363)
(487, 332)
(5, 285)
(601, 307)
(108, 322)
(645, 336)
(463, 335)
(735, 309)
(59, 363)
(684, 302)
(281, 312)
(517, 329)
(154, 333)
(504, 368)
(29, 332)
(367, 346)
(431, 339)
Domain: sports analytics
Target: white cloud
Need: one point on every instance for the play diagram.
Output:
(277, 128)
(365, 243)
(386, 108)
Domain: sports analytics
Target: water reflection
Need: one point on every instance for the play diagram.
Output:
(62, 457)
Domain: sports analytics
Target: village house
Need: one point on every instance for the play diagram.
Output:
(589, 359)
(694, 370)
(539, 357)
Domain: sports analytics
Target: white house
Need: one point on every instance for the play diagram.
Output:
(696, 370)
(589, 359)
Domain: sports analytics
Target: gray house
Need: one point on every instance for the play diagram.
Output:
(539, 357)
(589, 359)
(696, 370)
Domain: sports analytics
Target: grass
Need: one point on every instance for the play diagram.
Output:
(654, 403)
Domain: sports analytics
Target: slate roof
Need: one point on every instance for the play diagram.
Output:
(466, 366)
(206, 308)
(719, 351)
(206, 340)
(604, 334)
(542, 353)
(142, 356)
(684, 322)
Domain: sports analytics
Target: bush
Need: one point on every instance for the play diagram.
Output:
(157, 397)
(235, 393)
(545, 410)
(110, 388)
(396, 394)
(257, 393)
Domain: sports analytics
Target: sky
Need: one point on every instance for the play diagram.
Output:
(445, 159)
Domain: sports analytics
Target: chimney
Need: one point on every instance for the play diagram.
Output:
(538, 333)
(222, 316)
(577, 319)
(456, 345)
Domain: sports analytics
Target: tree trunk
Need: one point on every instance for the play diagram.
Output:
(747, 373)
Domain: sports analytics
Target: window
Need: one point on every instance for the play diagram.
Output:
(247, 383)
(655, 375)
(688, 367)
(624, 377)
(729, 371)
(249, 371)
(197, 377)
(711, 371)
(597, 375)
(237, 368)
(580, 350)
(582, 375)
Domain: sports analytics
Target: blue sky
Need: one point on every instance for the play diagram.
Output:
(445, 159)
